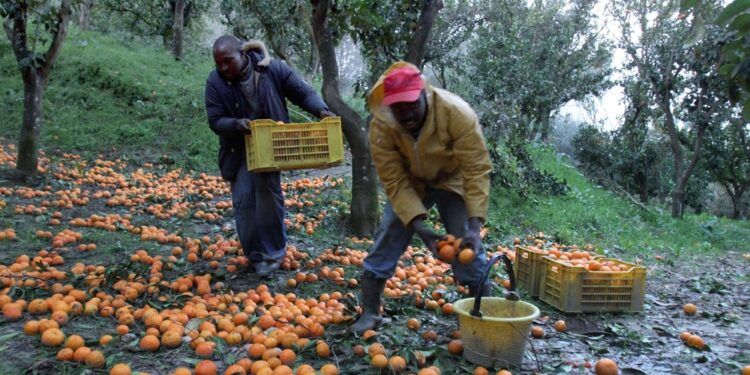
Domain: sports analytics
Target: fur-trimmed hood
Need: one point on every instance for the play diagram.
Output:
(259, 47)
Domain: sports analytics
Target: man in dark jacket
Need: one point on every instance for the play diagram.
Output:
(248, 85)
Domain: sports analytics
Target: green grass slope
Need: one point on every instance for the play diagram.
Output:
(105, 96)
(591, 214)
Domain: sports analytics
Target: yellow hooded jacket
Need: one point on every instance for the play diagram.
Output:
(449, 154)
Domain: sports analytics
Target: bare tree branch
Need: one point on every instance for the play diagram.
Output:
(61, 29)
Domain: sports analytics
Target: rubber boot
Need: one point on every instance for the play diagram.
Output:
(372, 290)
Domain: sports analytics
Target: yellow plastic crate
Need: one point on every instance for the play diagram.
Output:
(281, 147)
(528, 267)
(575, 289)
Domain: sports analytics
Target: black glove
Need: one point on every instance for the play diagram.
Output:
(472, 237)
(242, 125)
(429, 237)
(326, 113)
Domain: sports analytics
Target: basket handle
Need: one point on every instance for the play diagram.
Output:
(511, 294)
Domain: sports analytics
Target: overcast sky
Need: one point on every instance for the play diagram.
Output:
(609, 107)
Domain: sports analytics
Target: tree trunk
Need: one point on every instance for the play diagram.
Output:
(735, 194)
(678, 195)
(28, 141)
(544, 125)
(314, 62)
(85, 16)
(178, 28)
(364, 204)
(418, 42)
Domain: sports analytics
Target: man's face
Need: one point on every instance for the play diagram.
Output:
(228, 61)
(411, 115)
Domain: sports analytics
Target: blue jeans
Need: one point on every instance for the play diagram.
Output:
(259, 214)
(392, 238)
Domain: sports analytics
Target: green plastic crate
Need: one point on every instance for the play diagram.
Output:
(528, 267)
(280, 147)
(575, 289)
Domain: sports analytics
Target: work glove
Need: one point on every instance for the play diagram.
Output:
(471, 237)
(326, 113)
(242, 125)
(427, 236)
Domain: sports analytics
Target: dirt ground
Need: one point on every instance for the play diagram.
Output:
(642, 343)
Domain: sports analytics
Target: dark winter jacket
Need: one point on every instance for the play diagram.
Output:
(225, 103)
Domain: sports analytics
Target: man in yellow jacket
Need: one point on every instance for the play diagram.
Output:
(428, 149)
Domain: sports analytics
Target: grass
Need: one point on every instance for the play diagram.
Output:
(591, 214)
(105, 96)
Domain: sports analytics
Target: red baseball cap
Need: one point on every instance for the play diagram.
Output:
(402, 85)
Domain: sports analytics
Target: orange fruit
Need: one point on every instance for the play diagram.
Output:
(369, 334)
(235, 370)
(685, 335)
(171, 339)
(690, 309)
(31, 327)
(447, 308)
(287, 357)
(65, 354)
(432, 370)
(746, 370)
(329, 369)
(605, 366)
(379, 361)
(456, 347)
(466, 256)
(481, 371)
(74, 342)
(204, 350)
(504, 372)
(256, 350)
(182, 371)
(413, 324)
(122, 329)
(322, 350)
(537, 332)
(53, 337)
(376, 348)
(12, 312)
(120, 369)
(80, 354)
(95, 359)
(205, 368)
(560, 326)
(105, 340)
(447, 253)
(358, 350)
(150, 343)
(397, 364)
(696, 341)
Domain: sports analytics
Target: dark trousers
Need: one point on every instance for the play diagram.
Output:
(392, 238)
(259, 214)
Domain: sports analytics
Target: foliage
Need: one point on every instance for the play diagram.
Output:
(147, 18)
(591, 214)
(382, 28)
(736, 64)
(531, 59)
(728, 160)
